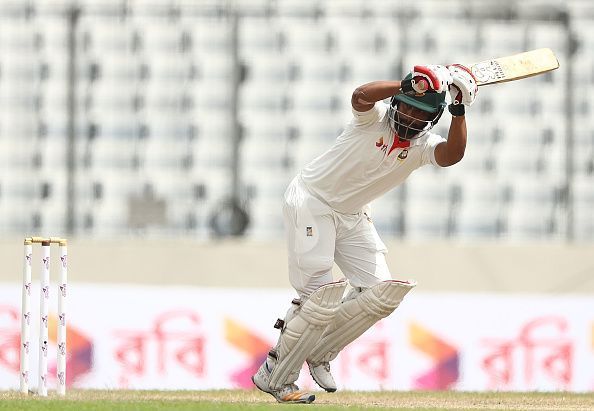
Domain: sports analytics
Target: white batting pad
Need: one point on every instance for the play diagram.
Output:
(303, 331)
(356, 316)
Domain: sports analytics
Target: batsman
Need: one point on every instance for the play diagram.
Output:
(327, 219)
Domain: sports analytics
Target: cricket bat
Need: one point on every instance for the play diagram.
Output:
(515, 67)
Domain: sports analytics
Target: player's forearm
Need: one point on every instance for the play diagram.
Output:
(370, 93)
(456, 144)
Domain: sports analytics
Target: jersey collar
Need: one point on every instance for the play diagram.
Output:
(398, 143)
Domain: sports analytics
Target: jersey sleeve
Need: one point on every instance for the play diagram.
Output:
(428, 155)
(370, 117)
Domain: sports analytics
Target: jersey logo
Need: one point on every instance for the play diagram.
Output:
(380, 144)
(403, 144)
(309, 231)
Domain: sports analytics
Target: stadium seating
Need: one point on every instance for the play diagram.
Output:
(159, 85)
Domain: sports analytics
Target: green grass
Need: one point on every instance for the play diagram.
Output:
(233, 400)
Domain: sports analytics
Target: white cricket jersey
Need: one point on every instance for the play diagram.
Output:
(366, 162)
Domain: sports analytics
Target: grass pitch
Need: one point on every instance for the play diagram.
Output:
(234, 400)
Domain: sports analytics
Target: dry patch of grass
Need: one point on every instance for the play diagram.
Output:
(254, 400)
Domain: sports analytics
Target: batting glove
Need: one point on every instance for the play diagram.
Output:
(431, 78)
(464, 89)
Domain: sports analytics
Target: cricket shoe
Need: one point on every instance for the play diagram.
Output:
(322, 376)
(289, 393)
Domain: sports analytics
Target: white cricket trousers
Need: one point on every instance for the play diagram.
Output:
(318, 236)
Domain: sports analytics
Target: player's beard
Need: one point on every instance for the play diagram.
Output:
(406, 132)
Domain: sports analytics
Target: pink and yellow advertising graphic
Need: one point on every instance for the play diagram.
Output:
(140, 337)
(444, 370)
(254, 347)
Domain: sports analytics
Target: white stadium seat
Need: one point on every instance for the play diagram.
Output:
(502, 38)
(305, 36)
(583, 211)
(259, 36)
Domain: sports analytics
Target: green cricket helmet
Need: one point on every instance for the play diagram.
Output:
(402, 123)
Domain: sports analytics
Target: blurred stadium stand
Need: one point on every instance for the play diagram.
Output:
(175, 107)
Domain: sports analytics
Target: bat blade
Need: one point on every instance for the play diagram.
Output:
(515, 67)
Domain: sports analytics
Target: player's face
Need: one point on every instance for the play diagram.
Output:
(414, 117)
(411, 120)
